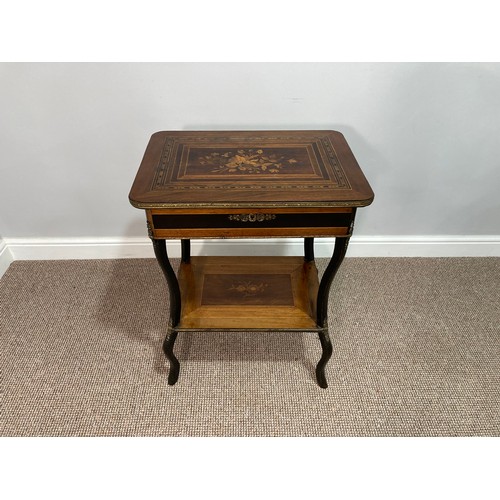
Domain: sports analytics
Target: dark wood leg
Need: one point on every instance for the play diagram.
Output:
(168, 349)
(308, 249)
(322, 306)
(185, 250)
(327, 347)
(160, 249)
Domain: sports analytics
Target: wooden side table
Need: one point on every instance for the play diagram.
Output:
(249, 184)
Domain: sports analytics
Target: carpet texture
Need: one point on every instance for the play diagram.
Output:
(416, 353)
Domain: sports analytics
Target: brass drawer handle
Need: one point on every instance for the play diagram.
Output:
(252, 217)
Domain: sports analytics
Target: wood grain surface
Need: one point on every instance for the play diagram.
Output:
(248, 293)
(249, 168)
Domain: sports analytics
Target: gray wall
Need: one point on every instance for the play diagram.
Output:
(72, 136)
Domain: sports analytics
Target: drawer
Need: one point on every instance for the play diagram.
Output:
(240, 224)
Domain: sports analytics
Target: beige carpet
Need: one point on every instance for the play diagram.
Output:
(416, 353)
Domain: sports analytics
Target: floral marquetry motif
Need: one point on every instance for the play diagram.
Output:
(249, 288)
(246, 161)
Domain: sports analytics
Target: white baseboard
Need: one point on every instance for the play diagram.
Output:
(79, 248)
(424, 246)
(6, 257)
(121, 248)
(360, 246)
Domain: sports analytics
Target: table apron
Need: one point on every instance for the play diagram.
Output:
(250, 224)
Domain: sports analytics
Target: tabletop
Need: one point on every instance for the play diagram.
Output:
(292, 168)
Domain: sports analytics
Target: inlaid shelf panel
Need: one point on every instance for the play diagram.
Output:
(248, 293)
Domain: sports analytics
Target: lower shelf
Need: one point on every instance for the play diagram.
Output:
(248, 293)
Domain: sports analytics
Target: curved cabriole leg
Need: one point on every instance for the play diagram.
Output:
(160, 249)
(168, 349)
(327, 347)
(322, 306)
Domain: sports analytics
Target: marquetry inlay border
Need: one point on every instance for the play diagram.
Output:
(326, 171)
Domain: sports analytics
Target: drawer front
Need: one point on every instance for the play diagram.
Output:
(249, 224)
